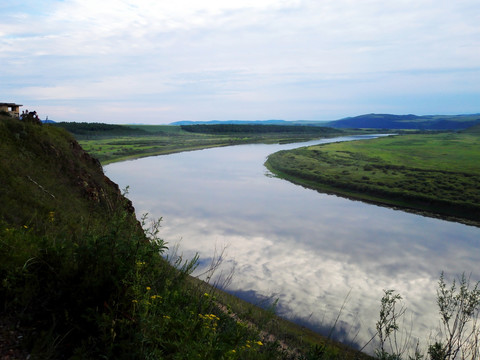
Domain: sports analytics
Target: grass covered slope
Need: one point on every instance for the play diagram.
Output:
(80, 279)
(44, 170)
(437, 173)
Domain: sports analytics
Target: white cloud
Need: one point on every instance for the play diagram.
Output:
(232, 53)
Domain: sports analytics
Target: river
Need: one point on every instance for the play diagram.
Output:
(315, 253)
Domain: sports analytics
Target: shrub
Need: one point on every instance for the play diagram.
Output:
(459, 308)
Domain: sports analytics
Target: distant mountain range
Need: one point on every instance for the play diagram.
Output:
(426, 122)
(370, 121)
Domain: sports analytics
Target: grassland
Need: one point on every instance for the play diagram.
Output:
(436, 174)
(131, 147)
(118, 143)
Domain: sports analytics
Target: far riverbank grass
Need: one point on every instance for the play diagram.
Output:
(435, 174)
(165, 139)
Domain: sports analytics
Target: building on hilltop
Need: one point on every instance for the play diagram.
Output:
(11, 108)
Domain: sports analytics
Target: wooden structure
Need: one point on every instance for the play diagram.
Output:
(11, 108)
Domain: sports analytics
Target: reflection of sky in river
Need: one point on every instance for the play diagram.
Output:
(307, 249)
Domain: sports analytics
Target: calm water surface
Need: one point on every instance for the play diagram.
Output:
(311, 251)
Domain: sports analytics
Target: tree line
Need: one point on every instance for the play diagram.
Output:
(258, 129)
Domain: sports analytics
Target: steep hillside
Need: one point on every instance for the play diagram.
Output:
(44, 171)
(55, 271)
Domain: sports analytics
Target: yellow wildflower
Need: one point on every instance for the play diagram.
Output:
(148, 288)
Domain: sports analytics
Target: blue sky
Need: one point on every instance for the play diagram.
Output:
(158, 61)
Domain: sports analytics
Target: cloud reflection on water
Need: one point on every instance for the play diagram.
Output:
(310, 250)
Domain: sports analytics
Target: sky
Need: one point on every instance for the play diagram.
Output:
(159, 61)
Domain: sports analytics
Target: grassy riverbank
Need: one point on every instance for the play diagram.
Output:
(437, 174)
(165, 139)
(112, 143)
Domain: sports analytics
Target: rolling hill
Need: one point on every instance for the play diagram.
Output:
(368, 121)
(408, 122)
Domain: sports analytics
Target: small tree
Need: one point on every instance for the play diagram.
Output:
(387, 326)
(459, 309)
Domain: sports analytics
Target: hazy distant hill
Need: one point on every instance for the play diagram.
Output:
(368, 121)
(426, 122)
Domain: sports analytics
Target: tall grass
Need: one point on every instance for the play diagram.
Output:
(110, 294)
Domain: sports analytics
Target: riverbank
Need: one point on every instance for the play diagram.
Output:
(140, 141)
(429, 174)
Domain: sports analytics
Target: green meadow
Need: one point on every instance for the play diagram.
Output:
(434, 173)
(111, 143)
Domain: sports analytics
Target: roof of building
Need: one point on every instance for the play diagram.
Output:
(9, 104)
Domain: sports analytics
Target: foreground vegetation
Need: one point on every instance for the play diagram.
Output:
(459, 333)
(110, 294)
(432, 173)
